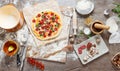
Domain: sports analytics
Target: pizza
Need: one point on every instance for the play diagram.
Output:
(46, 25)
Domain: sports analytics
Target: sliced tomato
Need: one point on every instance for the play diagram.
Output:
(40, 32)
(49, 34)
(38, 15)
(48, 16)
(36, 29)
(52, 14)
(41, 22)
(56, 29)
(45, 13)
(42, 27)
(50, 31)
(44, 35)
(33, 21)
(56, 18)
(45, 19)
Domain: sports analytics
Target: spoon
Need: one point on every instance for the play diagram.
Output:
(68, 11)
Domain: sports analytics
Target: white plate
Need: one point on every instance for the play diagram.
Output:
(101, 47)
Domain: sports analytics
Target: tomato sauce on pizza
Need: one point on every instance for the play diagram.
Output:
(46, 25)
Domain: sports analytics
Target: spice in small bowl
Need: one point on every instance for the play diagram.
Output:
(10, 47)
(116, 60)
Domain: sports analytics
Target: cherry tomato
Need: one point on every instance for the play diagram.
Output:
(52, 14)
(33, 21)
(49, 34)
(56, 29)
(44, 35)
(36, 29)
(35, 63)
(57, 18)
(38, 15)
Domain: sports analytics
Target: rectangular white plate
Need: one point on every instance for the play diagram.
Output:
(101, 47)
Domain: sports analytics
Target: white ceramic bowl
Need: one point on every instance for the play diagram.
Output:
(84, 9)
(9, 16)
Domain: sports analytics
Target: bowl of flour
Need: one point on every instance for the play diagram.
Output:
(85, 7)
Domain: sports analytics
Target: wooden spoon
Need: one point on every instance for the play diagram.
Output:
(66, 49)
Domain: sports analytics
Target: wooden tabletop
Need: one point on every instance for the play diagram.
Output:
(73, 63)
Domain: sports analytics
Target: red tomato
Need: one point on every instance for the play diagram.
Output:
(44, 35)
(42, 67)
(57, 18)
(42, 27)
(45, 14)
(48, 16)
(56, 29)
(49, 34)
(37, 64)
(50, 31)
(40, 32)
(36, 29)
(33, 21)
(38, 15)
(52, 14)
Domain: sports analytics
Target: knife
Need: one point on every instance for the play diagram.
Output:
(74, 22)
(23, 58)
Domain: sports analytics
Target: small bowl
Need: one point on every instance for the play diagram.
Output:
(94, 30)
(6, 46)
(84, 11)
(114, 60)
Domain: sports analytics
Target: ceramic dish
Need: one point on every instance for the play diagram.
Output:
(101, 48)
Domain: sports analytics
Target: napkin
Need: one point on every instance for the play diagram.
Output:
(114, 29)
(114, 38)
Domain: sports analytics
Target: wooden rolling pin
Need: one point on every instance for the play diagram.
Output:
(101, 26)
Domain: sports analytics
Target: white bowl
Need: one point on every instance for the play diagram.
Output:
(83, 8)
(9, 16)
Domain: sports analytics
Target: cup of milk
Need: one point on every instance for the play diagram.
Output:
(10, 18)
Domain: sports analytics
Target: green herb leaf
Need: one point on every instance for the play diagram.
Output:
(116, 9)
(37, 25)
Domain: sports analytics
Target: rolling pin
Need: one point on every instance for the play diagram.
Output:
(101, 26)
